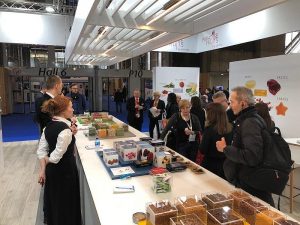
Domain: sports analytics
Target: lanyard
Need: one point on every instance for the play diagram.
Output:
(190, 126)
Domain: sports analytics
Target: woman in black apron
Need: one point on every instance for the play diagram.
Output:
(58, 165)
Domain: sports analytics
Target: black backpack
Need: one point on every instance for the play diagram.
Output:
(277, 153)
(272, 174)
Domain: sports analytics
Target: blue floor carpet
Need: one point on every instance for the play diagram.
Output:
(19, 127)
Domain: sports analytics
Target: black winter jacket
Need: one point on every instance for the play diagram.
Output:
(247, 148)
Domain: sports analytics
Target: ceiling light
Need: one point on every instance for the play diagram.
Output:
(113, 58)
(50, 9)
(156, 37)
(169, 6)
(108, 3)
(110, 48)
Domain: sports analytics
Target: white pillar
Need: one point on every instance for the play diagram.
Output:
(1, 144)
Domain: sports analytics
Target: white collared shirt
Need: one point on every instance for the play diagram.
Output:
(51, 95)
(63, 140)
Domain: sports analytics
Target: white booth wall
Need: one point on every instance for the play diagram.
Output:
(283, 69)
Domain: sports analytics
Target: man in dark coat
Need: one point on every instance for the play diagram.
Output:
(247, 148)
(53, 87)
(78, 100)
(135, 107)
(158, 108)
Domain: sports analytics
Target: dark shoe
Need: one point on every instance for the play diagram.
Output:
(45, 220)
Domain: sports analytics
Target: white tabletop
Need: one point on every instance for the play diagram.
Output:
(115, 209)
(293, 141)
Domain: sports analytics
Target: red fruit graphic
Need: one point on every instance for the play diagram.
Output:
(150, 156)
(273, 86)
(181, 84)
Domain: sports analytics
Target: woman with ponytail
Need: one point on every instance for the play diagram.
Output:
(58, 165)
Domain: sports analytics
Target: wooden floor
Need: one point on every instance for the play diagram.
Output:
(19, 190)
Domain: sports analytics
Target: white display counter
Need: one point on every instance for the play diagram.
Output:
(101, 205)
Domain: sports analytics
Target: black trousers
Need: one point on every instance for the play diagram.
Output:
(119, 107)
(136, 123)
(152, 124)
(188, 150)
(263, 195)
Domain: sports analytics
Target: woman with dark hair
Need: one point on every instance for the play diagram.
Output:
(198, 110)
(217, 126)
(58, 165)
(172, 105)
(263, 110)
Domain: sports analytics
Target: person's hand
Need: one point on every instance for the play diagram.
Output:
(42, 177)
(188, 132)
(74, 129)
(74, 119)
(137, 106)
(221, 144)
(140, 107)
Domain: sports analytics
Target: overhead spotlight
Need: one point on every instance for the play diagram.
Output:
(101, 30)
(108, 3)
(168, 7)
(50, 9)
(154, 37)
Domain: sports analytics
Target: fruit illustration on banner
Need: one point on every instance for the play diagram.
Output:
(260, 92)
(250, 84)
(181, 84)
(192, 89)
(274, 86)
(281, 109)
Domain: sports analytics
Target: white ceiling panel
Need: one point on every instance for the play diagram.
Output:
(109, 31)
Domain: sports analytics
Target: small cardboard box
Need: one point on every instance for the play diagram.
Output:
(128, 152)
(146, 152)
(111, 158)
(161, 159)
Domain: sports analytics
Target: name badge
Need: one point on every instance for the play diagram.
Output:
(192, 137)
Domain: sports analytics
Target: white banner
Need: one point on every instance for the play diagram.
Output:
(263, 24)
(275, 81)
(183, 81)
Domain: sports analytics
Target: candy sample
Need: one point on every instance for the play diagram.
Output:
(192, 205)
(222, 216)
(238, 196)
(217, 201)
(267, 217)
(159, 213)
(249, 208)
(191, 219)
(162, 182)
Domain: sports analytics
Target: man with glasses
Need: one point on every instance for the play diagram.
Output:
(220, 97)
(78, 100)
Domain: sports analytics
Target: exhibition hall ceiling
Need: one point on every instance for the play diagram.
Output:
(105, 32)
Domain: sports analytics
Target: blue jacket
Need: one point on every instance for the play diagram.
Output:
(79, 103)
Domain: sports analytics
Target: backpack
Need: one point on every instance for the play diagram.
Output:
(272, 174)
(277, 153)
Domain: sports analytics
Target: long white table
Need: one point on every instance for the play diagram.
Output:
(101, 205)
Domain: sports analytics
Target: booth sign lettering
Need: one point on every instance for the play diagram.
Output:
(52, 71)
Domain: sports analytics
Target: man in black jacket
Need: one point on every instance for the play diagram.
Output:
(53, 87)
(247, 148)
(135, 107)
(157, 108)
